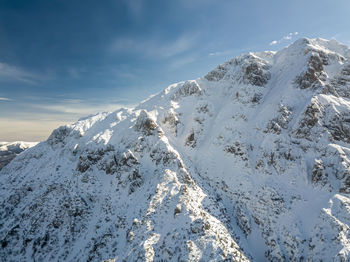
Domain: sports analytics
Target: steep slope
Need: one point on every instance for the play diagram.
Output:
(9, 150)
(250, 162)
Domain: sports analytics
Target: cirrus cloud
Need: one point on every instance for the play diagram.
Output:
(285, 38)
(5, 99)
(14, 73)
(154, 47)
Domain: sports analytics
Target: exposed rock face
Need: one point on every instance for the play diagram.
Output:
(314, 73)
(250, 69)
(9, 150)
(189, 88)
(249, 163)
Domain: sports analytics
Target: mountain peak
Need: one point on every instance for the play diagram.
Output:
(320, 45)
(250, 162)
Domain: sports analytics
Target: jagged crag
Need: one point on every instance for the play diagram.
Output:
(249, 163)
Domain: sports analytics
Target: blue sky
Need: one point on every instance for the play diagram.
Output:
(60, 60)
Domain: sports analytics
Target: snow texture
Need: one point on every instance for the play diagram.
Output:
(249, 163)
(9, 150)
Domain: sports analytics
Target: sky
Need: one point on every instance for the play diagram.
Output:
(64, 59)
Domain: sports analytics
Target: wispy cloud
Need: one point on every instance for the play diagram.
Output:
(75, 72)
(122, 71)
(27, 130)
(78, 108)
(285, 38)
(221, 53)
(135, 6)
(230, 52)
(14, 73)
(182, 61)
(154, 47)
(37, 121)
(5, 99)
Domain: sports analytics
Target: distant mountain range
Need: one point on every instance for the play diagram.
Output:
(248, 163)
(9, 150)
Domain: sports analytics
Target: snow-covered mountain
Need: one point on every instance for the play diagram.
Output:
(9, 150)
(249, 163)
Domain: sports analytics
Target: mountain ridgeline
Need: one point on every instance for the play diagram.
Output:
(248, 163)
(9, 150)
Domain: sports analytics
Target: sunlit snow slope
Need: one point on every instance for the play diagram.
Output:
(249, 163)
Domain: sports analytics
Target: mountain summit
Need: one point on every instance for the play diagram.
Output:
(248, 163)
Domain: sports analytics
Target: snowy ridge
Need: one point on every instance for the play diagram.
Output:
(249, 163)
(9, 150)
(16, 145)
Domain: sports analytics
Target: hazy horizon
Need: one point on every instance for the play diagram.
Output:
(61, 60)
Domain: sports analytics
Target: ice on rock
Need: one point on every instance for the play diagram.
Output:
(248, 163)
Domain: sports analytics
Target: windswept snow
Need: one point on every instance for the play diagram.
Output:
(248, 163)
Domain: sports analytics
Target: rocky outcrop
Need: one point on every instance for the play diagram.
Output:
(249, 163)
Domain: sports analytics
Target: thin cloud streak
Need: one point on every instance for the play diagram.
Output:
(62, 110)
(154, 47)
(38, 121)
(13, 73)
(180, 62)
(27, 130)
(5, 99)
(78, 108)
(285, 38)
(230, 52)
